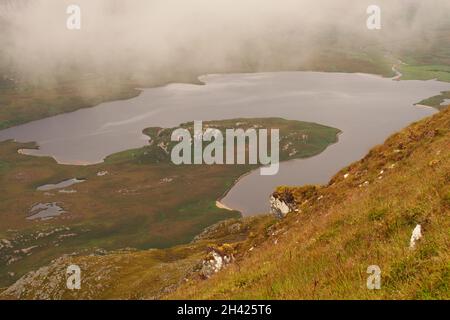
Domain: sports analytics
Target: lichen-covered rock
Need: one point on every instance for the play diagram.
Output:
(416, 236)
(217, 259)
(279, 208)
(290, 199)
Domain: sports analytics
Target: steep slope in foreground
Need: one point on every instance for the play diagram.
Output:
(322, 249)
(364, 217)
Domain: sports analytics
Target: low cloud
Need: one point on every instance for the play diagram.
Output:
(159, 37)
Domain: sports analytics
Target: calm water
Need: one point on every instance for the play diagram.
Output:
(366, 108)
(60, 185)
(45, 211)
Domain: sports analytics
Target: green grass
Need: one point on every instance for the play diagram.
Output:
(426, 72)
(437, 101)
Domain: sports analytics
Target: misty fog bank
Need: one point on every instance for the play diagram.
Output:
(161, 37)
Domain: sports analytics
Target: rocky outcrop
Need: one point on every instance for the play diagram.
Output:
(416, 236)
(32, 282)
(217, 259)
(288, 199)
(278, 207)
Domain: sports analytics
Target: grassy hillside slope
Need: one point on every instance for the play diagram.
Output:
(323, 250)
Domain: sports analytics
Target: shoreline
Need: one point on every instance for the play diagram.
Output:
(221, 205)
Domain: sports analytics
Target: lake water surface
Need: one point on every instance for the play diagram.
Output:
(60, 185)
(366, 108)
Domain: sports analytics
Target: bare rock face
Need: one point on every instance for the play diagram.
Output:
(217, 259)
(278, 207)
(282, 202)
(416, 236)
(290, 199)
